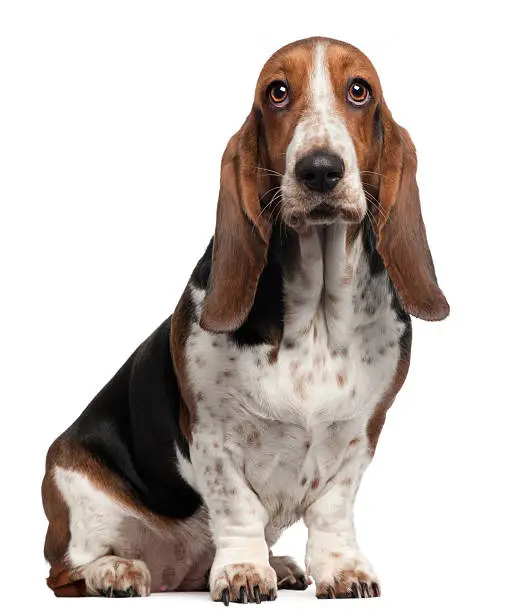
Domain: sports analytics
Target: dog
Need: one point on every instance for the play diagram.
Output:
(260, 401)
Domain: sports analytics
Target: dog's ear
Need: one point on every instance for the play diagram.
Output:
(402, 241)
(242, 234)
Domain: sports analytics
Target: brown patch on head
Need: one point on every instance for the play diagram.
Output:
(292, 64)
(355, 441)
(345, 63)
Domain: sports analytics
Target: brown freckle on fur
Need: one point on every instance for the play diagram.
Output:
(340, 351)
(232, 358)
(348, 275)
(219, 467)
(331, 297)
(353, 392)
(227, 373)
(289, 344)
(340, 380)
(304, 482)
(200, 362)
(335, 555)
(215, 445)
(315, 483)
(215, 343)
(347, 482)
(307, 444)
(354, 441)
(299, 387)
(315, 334)
(232, 492)
(200, 396)
(273, 354)
(254, 438)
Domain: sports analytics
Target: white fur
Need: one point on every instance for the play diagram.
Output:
(321, 127)
(272, 440)
(177, 557)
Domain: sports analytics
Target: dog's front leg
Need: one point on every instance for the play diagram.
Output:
(333, 558)
(241, 570)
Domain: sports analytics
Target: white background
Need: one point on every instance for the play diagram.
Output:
(113, 119)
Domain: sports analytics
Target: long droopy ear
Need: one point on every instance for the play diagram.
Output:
(402, 241)
(242, 235)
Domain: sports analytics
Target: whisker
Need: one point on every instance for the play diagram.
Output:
(371, 172)
(269, 171)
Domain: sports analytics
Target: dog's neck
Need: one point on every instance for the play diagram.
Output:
(330, 275)
(319, 280)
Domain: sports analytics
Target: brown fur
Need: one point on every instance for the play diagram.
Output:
(377, 420)
(67, 454)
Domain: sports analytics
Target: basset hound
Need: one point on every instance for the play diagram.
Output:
(260, 401)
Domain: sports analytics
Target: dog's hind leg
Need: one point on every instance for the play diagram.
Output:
(85, 525)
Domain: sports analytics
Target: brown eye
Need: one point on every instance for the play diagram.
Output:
(358, 92)
(278, 94)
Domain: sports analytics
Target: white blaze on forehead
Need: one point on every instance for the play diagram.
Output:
(321, 126)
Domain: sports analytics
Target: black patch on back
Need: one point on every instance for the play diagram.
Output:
(132, 426)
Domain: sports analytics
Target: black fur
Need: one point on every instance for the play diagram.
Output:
(132, 427)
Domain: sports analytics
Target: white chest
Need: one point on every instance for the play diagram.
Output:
(289, 417)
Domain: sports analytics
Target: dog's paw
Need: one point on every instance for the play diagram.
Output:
(289, 574)
(244, 583)
(347, 575)
(116, 577)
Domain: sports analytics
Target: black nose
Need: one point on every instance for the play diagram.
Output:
(320, 171)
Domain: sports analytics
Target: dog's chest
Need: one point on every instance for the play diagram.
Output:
(288, 416)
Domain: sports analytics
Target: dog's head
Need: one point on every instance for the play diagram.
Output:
(319, 146)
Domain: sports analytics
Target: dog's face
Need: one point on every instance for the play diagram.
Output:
(318, 104)
(319, 147)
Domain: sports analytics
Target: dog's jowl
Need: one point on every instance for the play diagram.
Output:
(261, 399)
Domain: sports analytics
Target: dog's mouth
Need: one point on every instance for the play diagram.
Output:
(322, 215)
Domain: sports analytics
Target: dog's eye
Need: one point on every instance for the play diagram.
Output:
(358, 92)
(278, 94)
